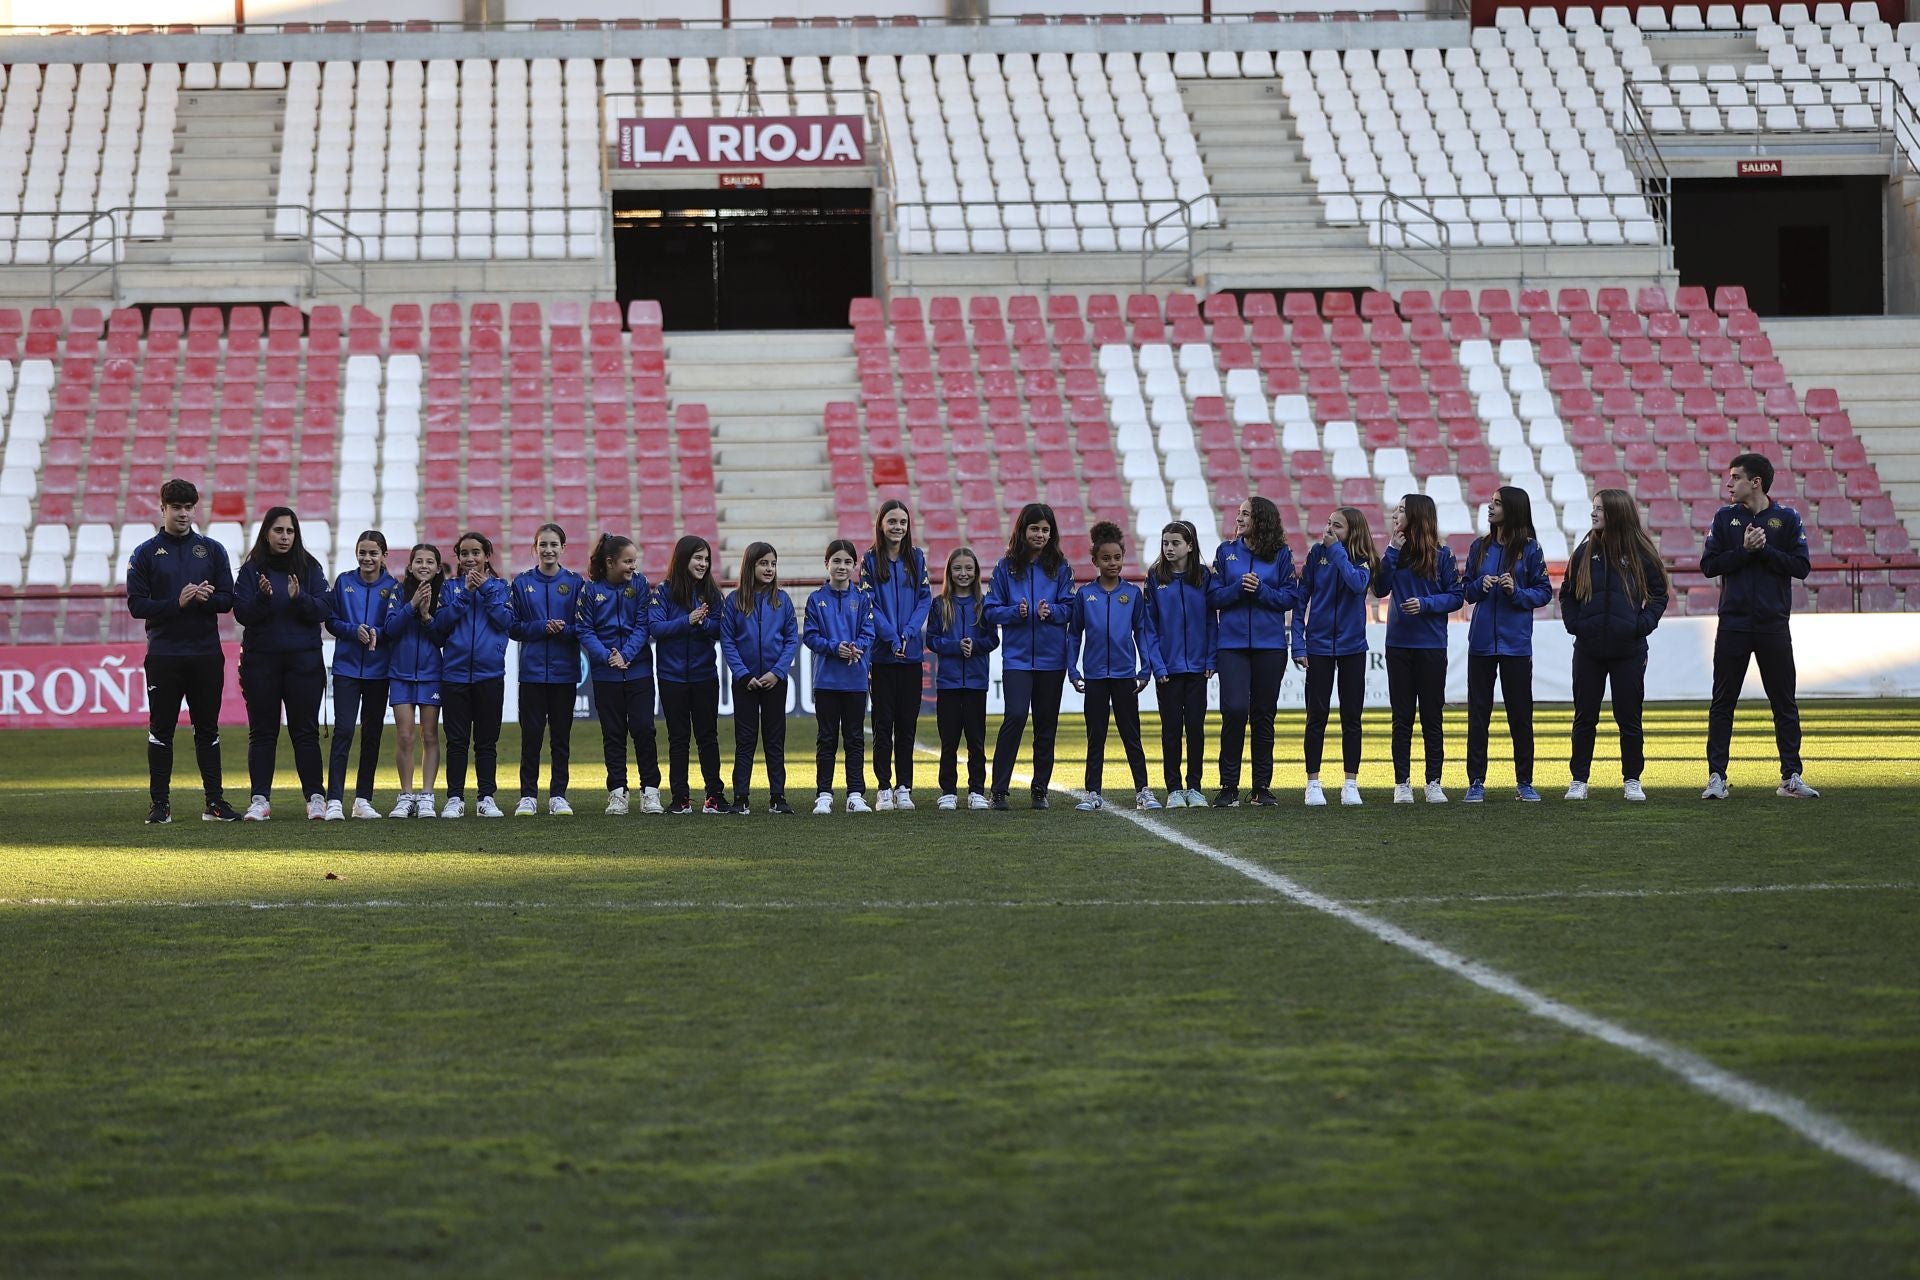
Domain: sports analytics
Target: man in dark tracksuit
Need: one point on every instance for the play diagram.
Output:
(179, 583)
(1756, 548)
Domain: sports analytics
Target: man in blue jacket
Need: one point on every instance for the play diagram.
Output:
(179, 583)
(1756, 548)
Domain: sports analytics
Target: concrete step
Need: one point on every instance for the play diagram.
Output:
(748, 431)
(686, 378)
(198, 125)
(788, 482)
(756, 348)
(749, 512)
(798, 543)
(767, 454)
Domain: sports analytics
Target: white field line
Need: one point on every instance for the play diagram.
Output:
(1703, 891)
(645, 904)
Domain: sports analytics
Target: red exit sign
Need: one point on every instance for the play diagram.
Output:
(742, 181)
(1758, 168)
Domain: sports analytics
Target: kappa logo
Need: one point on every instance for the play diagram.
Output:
(159, 551)
(600, 597)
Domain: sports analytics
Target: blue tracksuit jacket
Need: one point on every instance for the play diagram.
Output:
(471, 626)
(276, 623)
(953, 671)
(685, 654)
(613, 619)
(1186, 628)
(537, 600)
(1257, 621)
(835, 618)
(1439, 596)
(412, 652)
(159, 568)
(899, 608)
(1502, 624)
(1756, 587)
(1331, 621)
(1031, 644)
(356, 604)
(1110, 636)
(768, 639)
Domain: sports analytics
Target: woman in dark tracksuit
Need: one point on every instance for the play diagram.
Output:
(1330, 642)
(471, 625)
(612, 629)
(1419, 575)
(280, 597)
(1613, 597)
(839, 630)
(760, 638)
(544, 598)
(358, 619)
(685, 627)
(1187, 641)
(1110, 659)
(1030, 598)
(894, 572)
(957, 631)
(1253, 588)
(1506, 581)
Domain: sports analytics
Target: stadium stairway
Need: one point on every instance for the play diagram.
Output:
(1873, 362)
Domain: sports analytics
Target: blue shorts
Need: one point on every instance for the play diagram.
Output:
(413, 693)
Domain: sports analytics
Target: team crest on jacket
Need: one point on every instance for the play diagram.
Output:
(1124, 597)
(385, 592)
(1771, 524)
(562, 588)
(200, 548)
(629, 593)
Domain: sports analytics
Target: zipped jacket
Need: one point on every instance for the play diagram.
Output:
(1257, 620)
(1110, 636)
(613, 619)
(1756, 587)
(356, 603)
(412, 652)
(471, 625)
(953, 670)
(835, 618)
(546, 658)
(900, 607)
(1186, 628)
(157, 572)
(1031, 644)
(682, 652)
(278, 623)
(768, 639)
(1610, 622)
(1502, 624)
(1439, 596)
(1331, 621)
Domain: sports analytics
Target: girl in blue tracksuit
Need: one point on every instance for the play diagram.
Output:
(958, 631)
(544, 598)
(611, 625)
(760, 637)
(1422, 584)
(471, 625)
(1110, 658)
(357, 618)
(1330, 642)
(1253, 589)
(280, 597)
(1506, 581)
(1186, 641)
(685, 626)
(1030, 598)
(894, 572)
(839, 629)
(413, 678)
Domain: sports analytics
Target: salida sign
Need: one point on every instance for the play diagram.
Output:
(765, 142)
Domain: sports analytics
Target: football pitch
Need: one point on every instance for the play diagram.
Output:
(1600, 1039)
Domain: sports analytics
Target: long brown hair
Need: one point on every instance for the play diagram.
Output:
(948, 594)
(1266, 534)
(882, 566)
(1019, 556)
(750, 592)
(686, 592)
(1162, 572)
(1622, 542)
(1422, 552)
(1359, 539)
(1516, 530)
(409, 583)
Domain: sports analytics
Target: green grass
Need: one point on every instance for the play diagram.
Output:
(959, 1044)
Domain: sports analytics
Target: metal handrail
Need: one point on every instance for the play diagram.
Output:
(1424, 216)
(119, 222)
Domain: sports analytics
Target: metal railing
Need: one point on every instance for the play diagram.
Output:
(1398, 226)
(1415, 228)
(100, 240)
(443, 222)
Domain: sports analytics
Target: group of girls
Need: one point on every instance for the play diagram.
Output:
(433, 646)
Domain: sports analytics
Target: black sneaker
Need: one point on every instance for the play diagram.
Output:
(1227, 798)
(218, 811)
(740, 808)
(779, 805)
(681, 806)
(1263, 798)
(1040, 800)
(999, 801)
(714, 804)
(160, 814)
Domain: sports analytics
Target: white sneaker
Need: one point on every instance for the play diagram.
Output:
(361, 809)
(617, 802)
(1196, 799)
(1176, 799)
(557, 807)
(258, 811)
(456, 807)
(883, 802)
(823, 803)
(902, 799)
(423, 806)
(1350, 793)
(334, 812)
(487, 808)
(316, 807)
(650, 800)
(1633, 791)
(1403, 793)
(1435, 795)
(976, 801)
(1795, 788)
(527, 808)
(1316, 798)
(1144, 799)
(857, 803)
(402, 808)
(1092, 804)
(1716, 787)
(948, 801)
(1578, 790)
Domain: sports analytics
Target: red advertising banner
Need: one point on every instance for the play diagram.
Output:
(83, 686)
(764, 142)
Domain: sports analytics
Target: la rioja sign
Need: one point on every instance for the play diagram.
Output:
(765, 142)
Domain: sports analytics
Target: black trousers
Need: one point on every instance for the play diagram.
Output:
(693, 715)
(1591, 675)
(1349, 671)
(200, 680)
(1249, 694)
(896, 716)
(544, 708)
(296, 681)
(1123, 697)
(839, 713)
(958, 712)
(1417, 677)
(1183, 723)
(1038, 693)
(1733, 651)
(471, 714)
(1516, 691)
(625, 708)
(759, 716)
(364, 702)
